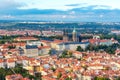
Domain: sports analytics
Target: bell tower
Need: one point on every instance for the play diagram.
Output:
(74, 35)
(65, 35)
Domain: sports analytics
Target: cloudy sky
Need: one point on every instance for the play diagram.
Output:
(60, 10)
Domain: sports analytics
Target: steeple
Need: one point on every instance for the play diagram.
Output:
(74, 30)
(65, 35)
(74, 35)
(65, 32)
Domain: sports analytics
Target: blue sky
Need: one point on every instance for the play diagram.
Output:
(60, 10)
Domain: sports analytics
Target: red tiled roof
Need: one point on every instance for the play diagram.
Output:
(43, 47)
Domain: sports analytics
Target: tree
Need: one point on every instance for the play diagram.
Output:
(2, 42)
(2, 77)
(109, 49)
(118, 78)
(64, 54)
(59, 75)
(70, 54)
(31, 77)
(68, 78)
(53, 69)
(50, 52)
(101, 78)
(38, 76)
(41, 44)
(2, 73)
(89, 47)
(79, 48)
(11, 47)
(9, 53)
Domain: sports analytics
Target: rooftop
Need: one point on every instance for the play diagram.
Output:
(31, 47)
(67, 43)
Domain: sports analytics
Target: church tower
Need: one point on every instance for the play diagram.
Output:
(74, 35)
(65, 35)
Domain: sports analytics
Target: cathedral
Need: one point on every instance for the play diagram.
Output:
(71, 37)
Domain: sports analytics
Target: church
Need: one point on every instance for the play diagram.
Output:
(74, 37)
(71, 41)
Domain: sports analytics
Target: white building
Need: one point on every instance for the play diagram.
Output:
(38, 43)
(10, 63)
(71, 45)
(31, 50)
(43, 50)
(2, 63)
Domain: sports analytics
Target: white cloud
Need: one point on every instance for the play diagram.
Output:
(8, 16)
(10, 4)
(57, 4)
(101, 16)
(65, 4)
(64, 16)
(72, 12)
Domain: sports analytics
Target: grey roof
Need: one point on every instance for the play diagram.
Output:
(48, 39)
(67, 43)
(31, 47)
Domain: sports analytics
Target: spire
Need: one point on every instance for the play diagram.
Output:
(65, 32)
(65, 35)
(74, 35)
(74, 30)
